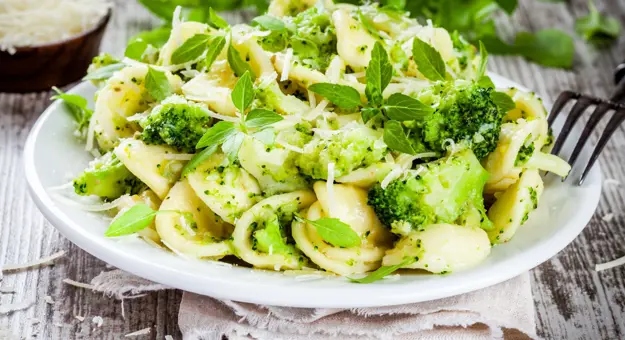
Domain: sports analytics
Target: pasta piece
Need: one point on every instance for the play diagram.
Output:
(216, 93)
(123, 95)
(150, 164)
(269, 95)
(227, 190)
(529, 107)
(260, 234)
(512, 208)
(354, 43)
(303, 75)
(179, 34)
(367, 177)
(441, 248)
(147, 197)
(200, 236)
(249, 50)
(274, 167)
(350, 206)
(282, 8)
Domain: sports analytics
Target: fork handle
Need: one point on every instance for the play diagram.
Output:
(618, 95)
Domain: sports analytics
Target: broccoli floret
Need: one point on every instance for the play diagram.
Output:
(108, 178)
(104, 59)
(269, 96)
(448, 190)
(270, 239)
(348, 150)
(466, 114)
(524, 154)
(177, 123)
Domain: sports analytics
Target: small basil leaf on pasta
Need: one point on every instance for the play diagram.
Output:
(396, 139)
(378, 74)
(104, 72)
(232, 145)
(191, 49)
(343, 96)
(334, 231)
(198, 159)
(481, 70)
(369, 112)
(157, 85)
(403, 108)
(428, 60)
(269, 23)
(136, 218)
(135, 50)
(215, 20)
(259, 118)
(217, 134)
(503, 101)
(238, 65)
(243, 93)
(215, 46)
(383, 271)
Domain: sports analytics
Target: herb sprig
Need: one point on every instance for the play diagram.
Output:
(334, 231)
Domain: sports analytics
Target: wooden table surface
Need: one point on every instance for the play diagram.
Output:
(572, 300)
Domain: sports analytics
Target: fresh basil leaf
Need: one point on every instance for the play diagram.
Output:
(503, 101)
(215, 20)
(395, 4)
(259, 118)
(429, 61)
(334, 231)
(162, 9)
(402, 108)
(549, 47)
(156, 37)
(343, 96)
(76, 105)
(217, 134)
(396, 139)
(232, 145)
(269, 22)
(215, 46)
(198, 159)
(243, 93)
(379, 73)
(369, 112)
(157, 85)
(104, 72)
(136, 218)
(383, 271)
(190, 50)
(135, 50)
(266, 136)
(507, 5)
(597, 29)
(368, 25)
(481, 70)
(238, 65)
(485, 81)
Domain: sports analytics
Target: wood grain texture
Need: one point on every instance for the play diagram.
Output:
(572, 300)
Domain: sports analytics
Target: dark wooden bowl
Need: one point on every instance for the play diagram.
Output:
(38, 68)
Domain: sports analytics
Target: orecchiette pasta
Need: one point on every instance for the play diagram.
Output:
(354, 42)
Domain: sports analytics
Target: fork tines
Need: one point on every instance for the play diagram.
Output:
(582, 102)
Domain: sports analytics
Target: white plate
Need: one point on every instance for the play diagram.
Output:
(52, 155)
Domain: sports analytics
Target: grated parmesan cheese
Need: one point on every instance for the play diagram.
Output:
(43, 261)
(98, 321)
(88, 207)
(287, 65)
(312, 99)
(608, 217)
(39, 22)
(48, 300)
(615, 263)
(139, 332)
(330, 189)
(78, 284)
(314, 113)
(79, 318)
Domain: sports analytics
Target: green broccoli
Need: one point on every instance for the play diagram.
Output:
(269, 96)
(448, 190)
(348, 150)
(270, 237)
(104, 59)
(465, 114)
(108, 178)
(177, 123)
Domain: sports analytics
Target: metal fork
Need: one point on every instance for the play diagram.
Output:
(602, 107)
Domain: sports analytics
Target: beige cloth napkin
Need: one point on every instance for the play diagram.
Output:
(504, 311)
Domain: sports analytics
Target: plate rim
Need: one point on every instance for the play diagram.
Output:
(263, 293)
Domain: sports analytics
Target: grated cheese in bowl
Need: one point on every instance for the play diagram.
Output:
(38, 22)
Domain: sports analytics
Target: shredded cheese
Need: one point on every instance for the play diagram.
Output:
(43, 261)
(289, 146)
(186, 226)
(608, 217)
(98, 321)
(48, 299)
(139, 332)
(330, 189)
(314, 113)
(88, 207)
(78, 284)
(615, 263)
(287, 65)
(79, 318)
(312, 99)
(611, 181)
(179, 156)
(334, 69)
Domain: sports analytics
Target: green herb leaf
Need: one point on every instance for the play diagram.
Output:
(271, 238)
(215, 20)
(503, 101)
(547, 47)
(243, 93)
(485, 81)
(395, 4)
(396, 139)
(216, 135)
(259, 118)
(481, 70)
(335, 232)
(383, 271)
(428, 60)
(156, 37)
(76, 105)
(379, 73)
(138, 217)
(598, 29)
(507, 5)
(162, 9)
(369, 112)
(104, 72)
(135, 50)
(191, 49)
(157, 85)
(402, 108)
(215, 46)
(266, 136)
(198, 159)
(343, 96)
(232, 145)
(366, 22)
(269, 22)
(238, 65)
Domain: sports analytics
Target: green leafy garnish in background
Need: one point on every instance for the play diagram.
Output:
(598, 29)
